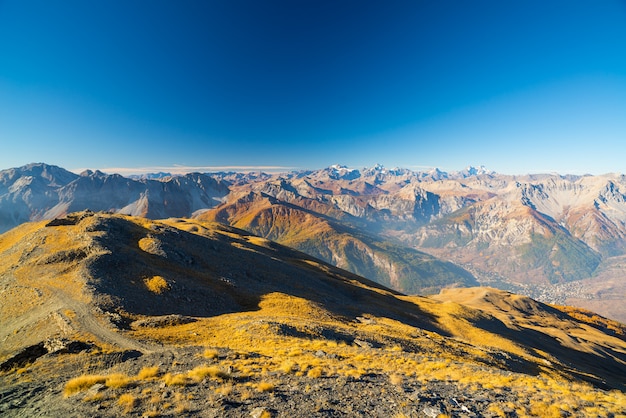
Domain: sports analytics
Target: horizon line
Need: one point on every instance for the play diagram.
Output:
(185, 169)
(182, 169)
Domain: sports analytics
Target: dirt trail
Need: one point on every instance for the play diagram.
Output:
(52, 308)
(85, 320)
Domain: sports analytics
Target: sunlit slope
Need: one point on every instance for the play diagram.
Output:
(303, 224)
(42, 277)
(121, 268)
(529, 246)
(587, 349)
(101, 278)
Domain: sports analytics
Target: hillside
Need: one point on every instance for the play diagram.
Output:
(110, 314)
(557, 238)
(298, 225)
(548, 236)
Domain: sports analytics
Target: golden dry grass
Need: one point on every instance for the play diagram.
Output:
(157, 284)
(200, 373)
(118, 380)
(127, 401)
(435, 359)
(176, 379)
(210, 353)
(315, 372)
(396, 379)
(284, 333)
(265, 387)
(148, 372)
(82, 383)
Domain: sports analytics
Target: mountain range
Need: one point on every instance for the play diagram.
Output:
(558, 238)
(108, 315)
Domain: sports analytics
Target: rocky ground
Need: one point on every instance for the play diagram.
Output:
(38, 391)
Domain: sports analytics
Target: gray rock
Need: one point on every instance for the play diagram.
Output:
(431, 411)
(258, 412)
(363, 344)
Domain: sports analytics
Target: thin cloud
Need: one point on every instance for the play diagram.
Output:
(184, 169)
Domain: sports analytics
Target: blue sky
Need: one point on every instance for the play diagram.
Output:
(526, 86)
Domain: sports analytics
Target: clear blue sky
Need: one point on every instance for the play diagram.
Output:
(517, 86)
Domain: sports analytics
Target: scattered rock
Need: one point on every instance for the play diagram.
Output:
(258, 412)
(432, 412)
(364, 320)
(363, 344)
(62, 345)
(96, 388)
(162, 321)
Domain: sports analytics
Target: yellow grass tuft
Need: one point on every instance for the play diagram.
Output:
(175, 379)
(94, 397)
(199, 373)
(497, 410)
(287, 366)
(225, 390)
(545, 409)
(210, 353)
(157, 284)
(315, 372)
(265, 387)
(148, 372)
(81, 383)
(118, 381)
(396, 379)
(182, 406)
(127, 401)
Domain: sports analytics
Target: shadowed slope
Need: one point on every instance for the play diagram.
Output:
(300, 226)
(127, 267)
(212, 269)
(582, 349)
(110, 279)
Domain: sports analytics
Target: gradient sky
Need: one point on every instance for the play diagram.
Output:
(517, 86)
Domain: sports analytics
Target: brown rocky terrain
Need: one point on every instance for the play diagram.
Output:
(556, 238)
(551, 237)
(109, 315)
(300, 225)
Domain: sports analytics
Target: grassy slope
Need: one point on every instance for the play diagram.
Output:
(278, 308)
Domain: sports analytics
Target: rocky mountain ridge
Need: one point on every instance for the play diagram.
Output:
(523, 233)
(41, 191)
(297, 224)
